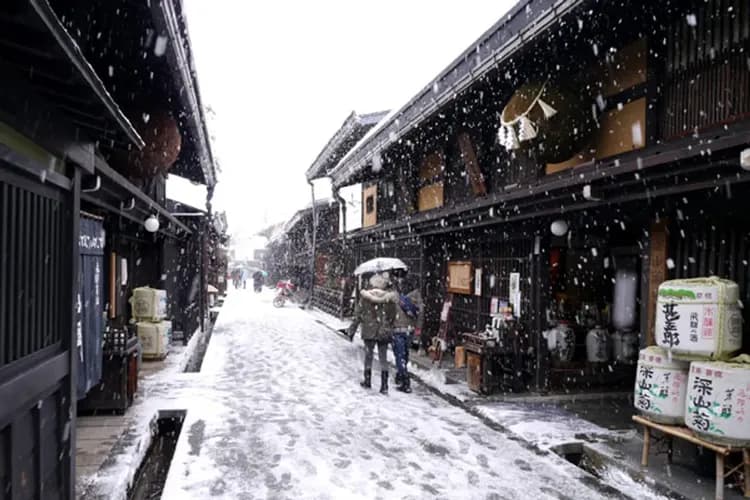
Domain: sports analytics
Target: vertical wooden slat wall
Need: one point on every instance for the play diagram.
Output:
(30, 237)
(706, 69)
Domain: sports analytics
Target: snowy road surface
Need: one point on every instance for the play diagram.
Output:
(277, 412)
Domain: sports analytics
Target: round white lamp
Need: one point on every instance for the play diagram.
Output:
(151, 224)
(559, 228)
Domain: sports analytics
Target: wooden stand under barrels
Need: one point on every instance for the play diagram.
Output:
(722, 452)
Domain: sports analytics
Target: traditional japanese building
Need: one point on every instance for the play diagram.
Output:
(98, 104)
(570, 160)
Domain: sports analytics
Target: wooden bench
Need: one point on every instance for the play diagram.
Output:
(722, 452)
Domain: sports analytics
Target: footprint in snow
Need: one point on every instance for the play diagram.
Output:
(342, 464)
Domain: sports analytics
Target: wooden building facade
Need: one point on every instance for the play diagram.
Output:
(635, 152)
(72, 108)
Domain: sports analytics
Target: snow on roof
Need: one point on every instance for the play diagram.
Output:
(522, 23)
(348, 135)
(287, 226)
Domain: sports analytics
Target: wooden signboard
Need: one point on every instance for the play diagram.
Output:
(621, 130)
(459, 277)
(431, 196)
(472, 165)
(657, 272)
(431, 167)
(370, 206)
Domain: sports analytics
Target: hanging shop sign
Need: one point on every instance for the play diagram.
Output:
(459, 277)
(515, 293)
(90, 306)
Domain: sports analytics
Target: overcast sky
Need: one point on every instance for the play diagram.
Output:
(283, 75)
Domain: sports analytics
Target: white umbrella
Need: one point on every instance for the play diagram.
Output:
(379, 265)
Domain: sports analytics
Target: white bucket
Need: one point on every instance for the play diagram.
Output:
(660, 386)
(718, 402)
(699, 318)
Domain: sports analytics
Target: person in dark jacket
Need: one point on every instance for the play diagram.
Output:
(258, 280)
(408, 318)
(375, 313)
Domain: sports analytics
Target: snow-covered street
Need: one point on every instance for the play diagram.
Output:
(277, 412)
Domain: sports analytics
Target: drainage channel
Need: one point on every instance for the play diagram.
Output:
(604, 471)
(151, 476)
(196, 360)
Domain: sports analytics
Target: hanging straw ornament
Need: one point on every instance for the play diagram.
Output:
(505, 136)
(526, 129)
(548, 110)
(512, 141)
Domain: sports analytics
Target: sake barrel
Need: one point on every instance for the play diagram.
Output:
(149, 304)
(717, 406)
(699, 318)
(660, 386)
(154, 338)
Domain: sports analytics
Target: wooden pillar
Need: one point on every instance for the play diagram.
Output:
(646, 446)
(69, 397)
(657, 272)
(539, 303)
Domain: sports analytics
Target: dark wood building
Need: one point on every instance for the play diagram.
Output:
(636, 155)
(76, 101)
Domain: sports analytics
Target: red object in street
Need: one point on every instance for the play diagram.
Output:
(285, 285)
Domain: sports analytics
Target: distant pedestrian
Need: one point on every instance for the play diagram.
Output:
(258, 280)
(407, 320)
(375, 312)
(244, 278)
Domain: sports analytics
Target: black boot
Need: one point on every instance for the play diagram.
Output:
(383, 382)
(367, 382)
(398, 380)
(405, 384)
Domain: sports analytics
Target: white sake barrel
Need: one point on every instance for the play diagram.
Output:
(155, 338)
(699, 318)
(717, 406)
(660, 386)
(597, 345)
